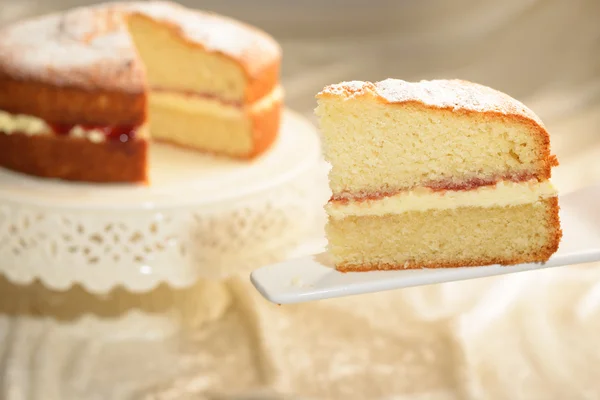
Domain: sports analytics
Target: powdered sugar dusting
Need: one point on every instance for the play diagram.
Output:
(86, 47)
(450, 94)
(347, 89)
(91, 48)
(216, 33)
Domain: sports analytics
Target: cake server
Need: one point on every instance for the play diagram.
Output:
(314, 277)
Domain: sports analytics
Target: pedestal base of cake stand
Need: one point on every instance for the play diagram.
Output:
(201, 217)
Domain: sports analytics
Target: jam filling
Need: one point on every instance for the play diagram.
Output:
(207, 96)
(475, 183)
(122, 133)
(438, 186)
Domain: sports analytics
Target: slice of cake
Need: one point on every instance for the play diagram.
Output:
(83, 92)
(433, 174)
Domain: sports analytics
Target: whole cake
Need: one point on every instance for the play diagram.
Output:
(83, 92)
(442, 173)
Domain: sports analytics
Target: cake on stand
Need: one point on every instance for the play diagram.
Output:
(201, 217)
(144, 262)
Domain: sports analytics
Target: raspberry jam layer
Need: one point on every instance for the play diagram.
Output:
(122, 133)
(439, 186)
(198, 95)
(33, 126)
(502, 194)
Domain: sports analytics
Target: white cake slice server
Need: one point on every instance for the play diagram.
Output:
(314, 277)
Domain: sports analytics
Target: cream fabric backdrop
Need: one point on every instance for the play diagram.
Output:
(525, 336)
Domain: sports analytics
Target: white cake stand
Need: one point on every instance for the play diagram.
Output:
(202, 217)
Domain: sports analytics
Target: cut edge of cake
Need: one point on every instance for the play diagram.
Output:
(222, 101)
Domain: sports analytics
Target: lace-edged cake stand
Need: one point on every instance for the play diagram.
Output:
(201, 217)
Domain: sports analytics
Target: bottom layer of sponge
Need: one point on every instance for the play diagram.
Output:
(467, 236)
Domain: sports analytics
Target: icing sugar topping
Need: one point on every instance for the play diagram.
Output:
(454, 94)
(350, 87)
(91, 48)
(86, 47)
(215, 32)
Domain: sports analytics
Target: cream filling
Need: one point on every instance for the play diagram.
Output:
(197, 104)
(24, 124)
(32, 126)
(504, 193)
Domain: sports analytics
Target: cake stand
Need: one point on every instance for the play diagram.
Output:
(202, 217)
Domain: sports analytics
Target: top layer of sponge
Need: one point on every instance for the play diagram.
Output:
(390, 136)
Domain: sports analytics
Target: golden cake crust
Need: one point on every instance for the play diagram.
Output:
(265, 127)
(71, 105)
(75, 67)
(456, 96)
(75, 159)
(542, 255)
